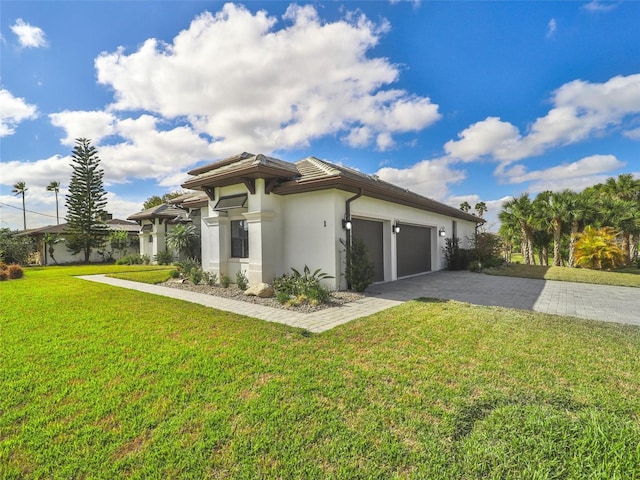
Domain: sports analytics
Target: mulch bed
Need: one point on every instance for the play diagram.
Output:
(233, 292)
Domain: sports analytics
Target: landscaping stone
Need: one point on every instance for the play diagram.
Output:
(262, 290)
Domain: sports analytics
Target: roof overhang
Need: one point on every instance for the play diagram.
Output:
(378, 192)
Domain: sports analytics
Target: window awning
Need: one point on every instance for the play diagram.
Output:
(232, 201)
(146, 228)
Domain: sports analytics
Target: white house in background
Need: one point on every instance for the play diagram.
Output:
(264, 216)
(63, 255)
(156, 222)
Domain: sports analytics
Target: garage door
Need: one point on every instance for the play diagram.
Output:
(371, 233)
(414, 250)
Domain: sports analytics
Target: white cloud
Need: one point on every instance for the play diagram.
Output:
(490, 136)
(250, 85)
(430, 178)
(575, 175)
(633, 134)
(28, 35)
(152, 153)
(94, 125)
(581, 110)
(552, 26)
(596, 6)
(38, 174)
(14, 110)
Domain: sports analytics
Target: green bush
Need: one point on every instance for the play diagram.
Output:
(210, 278)
(131, 259)
(359, 270)
(241, 280)
(456, 258)
(296, 288)
(187, 265)
(195, 276)
(164, 258)
(15, 248)
(225, 280)
(174, 274)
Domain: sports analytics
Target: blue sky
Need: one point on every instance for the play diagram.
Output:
(475, 101)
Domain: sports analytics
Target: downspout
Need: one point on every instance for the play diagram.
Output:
(348, 219)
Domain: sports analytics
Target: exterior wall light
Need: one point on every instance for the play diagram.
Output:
(395, 228)
(442, 232)
(346, 224)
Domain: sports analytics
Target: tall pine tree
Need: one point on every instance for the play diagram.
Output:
(85, 201)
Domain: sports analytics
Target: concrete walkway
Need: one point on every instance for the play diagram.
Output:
(314, 322)
(595, 302)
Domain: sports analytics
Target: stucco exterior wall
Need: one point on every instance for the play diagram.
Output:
(306, 229)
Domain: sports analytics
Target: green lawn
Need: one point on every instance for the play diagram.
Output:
(629, 277)
(101, 382)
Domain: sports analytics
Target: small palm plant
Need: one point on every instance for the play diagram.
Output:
(183, 239)
(598, 249)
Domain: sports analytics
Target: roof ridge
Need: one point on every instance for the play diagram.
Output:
(326, 167)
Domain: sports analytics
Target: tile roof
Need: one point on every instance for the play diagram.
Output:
(311, 174)
(114, 225)
(159, 211)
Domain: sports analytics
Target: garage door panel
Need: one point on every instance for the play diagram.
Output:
(371, 233)
(413, 250)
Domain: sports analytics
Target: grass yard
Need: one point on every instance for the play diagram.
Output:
(629, 277)
(101, 382)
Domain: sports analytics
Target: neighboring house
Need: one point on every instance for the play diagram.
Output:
(63, 255)
(263, 216)
(156, 222)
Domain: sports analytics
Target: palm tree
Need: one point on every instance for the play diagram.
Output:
(184, 239)
(555, 208)
(481, 208)
(19, 189)
(519, 211)
(465, 207)
(54, 186)
(598, 249)
(621, 208)
(580, 210)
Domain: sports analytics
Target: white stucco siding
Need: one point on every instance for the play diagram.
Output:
(312, 226)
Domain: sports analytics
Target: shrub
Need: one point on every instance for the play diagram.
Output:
(164, 258)
(15, 271)
(15, 248)
(241, 280)
(456, 258)
(187, 265)
(298, 288)
(174, 274)
(210, 278)
(195, 276)
(359, 270)
(4, 275)
(146, 259)
(225, 280)
(598, 249)
(131, 259)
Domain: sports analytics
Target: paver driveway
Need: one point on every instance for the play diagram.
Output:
(596, 302)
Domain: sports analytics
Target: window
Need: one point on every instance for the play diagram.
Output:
(150, 238)
(239, 239)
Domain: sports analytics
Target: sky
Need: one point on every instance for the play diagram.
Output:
(458, 101)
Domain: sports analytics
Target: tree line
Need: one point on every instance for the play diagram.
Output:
(598, 227)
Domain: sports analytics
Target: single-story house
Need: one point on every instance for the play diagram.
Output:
(263, 216)
(63, 255)
(156, 222)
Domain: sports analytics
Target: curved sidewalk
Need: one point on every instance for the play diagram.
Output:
(314, 322)
(594, 302)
